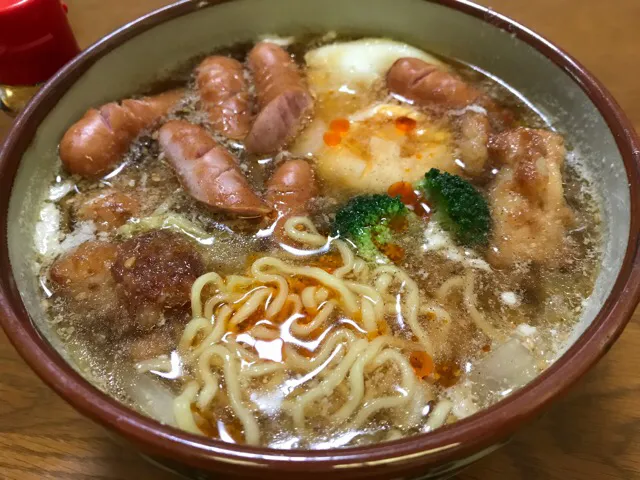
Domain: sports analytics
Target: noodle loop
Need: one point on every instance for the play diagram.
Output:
(305, 338)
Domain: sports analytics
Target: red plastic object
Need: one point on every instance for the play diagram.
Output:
(35, 40)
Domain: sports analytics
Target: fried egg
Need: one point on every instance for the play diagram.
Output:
(373, 144)
(379, 146)
(344, 76)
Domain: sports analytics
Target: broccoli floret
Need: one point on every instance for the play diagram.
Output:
(365, 221)
(459, 207)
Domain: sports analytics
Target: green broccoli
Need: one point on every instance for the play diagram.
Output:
(365, 220)
(459, 207)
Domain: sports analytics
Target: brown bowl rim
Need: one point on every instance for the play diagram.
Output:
(446, 444)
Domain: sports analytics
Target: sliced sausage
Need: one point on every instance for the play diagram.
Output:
(108, 208)
(96, 143)
(207, 171)
(426, 84)
(225, 95)
(283, 98)
(289, 190)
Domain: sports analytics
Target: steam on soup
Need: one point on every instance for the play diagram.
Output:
(316, 244)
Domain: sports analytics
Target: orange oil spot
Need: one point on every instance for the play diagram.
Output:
(383, 328)
(339, 125)
(405, 191)
(405, 124)
(422, 363)
(298, 284)
(248, 322)
(285, 313)
(410, 198)
(328, 262)
(331, 138)
(392, 251)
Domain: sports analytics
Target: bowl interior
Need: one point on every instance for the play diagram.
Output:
(145, 57)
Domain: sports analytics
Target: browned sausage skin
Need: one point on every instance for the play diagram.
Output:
(426, 84)
(207, 171)
(225, 96)
(283, 98)
(289, 190)
(96, 143)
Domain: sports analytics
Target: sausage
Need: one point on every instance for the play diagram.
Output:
(426, 84)
(283, 98)
(289, 190)
(225, 95)
(108, 209)
(207, 171)
(96, 143)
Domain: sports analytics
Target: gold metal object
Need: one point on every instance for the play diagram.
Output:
(14, 99)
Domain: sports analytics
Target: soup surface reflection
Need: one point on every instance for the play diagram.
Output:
(316, 243)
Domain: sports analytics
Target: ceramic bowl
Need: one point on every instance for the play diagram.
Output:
(131, 58)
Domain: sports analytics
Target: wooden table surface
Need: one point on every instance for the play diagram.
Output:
(593, 433)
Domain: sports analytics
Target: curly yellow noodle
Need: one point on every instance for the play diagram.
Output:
(196, 291)
(327, 385)
(305, 329)
(299, 362)
(182, 408)
(411, 305)
(256, 300)
(348, 298)
(408, 385)
(251, 428)
(225, 366)
(356, 380)
(308, 235)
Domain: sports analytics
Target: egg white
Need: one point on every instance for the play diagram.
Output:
(361, 61)
(345, 76)
(347, 81)
(374, 153)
